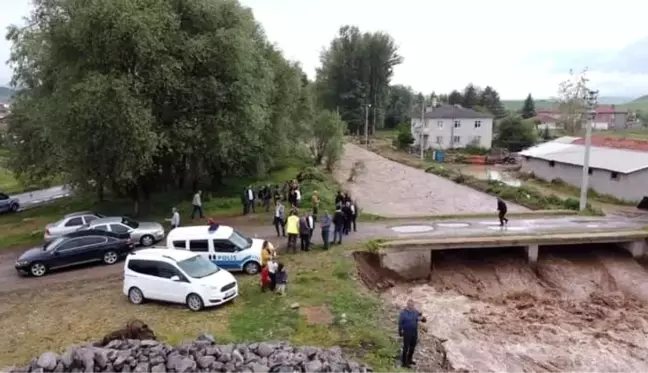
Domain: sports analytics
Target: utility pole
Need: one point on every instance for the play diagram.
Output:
(591, 98)
(422, 126)
(366, 129)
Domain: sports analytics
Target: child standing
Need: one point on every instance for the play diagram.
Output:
(265, 279)
(281, 277)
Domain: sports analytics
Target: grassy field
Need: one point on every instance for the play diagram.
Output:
(8, 182)
(637, 134)
(321, 282)
(26, 228)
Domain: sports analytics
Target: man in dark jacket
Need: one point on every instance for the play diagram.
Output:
(348, 217)
(304, 233)
(408, 330)
(338, 225)
(501, 207)
(339, 199)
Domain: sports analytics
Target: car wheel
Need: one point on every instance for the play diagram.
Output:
(14, 207)
(110, 257)
(147, 240)
(38, 269)
(135, 296)
(195, 302)
(251, 268)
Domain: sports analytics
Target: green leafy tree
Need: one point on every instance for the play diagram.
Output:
(490, 99)
(404, 139)
(470, 97)
(355, 71)
(327, 134)
(134, 96)
(514, 134)
(528, 108)
(455, 98)
(400, 103)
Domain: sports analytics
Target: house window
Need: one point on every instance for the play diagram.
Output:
(457, 124)
(552, 164)
(440, 124)
(477, 123)
(614, 175)
(590, 171)
(456, 139)
(439, 140)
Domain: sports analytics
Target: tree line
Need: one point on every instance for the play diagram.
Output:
(139, 96)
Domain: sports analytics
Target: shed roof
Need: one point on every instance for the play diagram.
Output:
(615, 160)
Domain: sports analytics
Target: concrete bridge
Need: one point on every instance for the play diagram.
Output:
(412, 254)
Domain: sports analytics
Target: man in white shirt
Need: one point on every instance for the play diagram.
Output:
(311, 226)
(175, 218)
(249, 193)
(272, 269)
(197, 205)
(298, 198)
(279, 219)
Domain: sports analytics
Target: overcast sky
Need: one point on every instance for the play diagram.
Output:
(516, 47)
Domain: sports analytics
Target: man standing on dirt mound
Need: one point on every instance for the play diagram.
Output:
(408, 329)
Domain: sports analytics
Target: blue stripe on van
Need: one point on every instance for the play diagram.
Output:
(232, 264)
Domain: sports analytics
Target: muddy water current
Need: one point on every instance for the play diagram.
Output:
(586, 309)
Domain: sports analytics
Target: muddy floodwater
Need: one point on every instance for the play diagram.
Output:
(584, 310)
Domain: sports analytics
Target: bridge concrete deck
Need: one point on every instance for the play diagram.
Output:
(410, 250)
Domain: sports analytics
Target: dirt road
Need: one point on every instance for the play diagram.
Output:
(388, 188)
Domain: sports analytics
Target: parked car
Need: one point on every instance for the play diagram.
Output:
(144, 233)
(8, 204)
(177, 276)
(224, 246)
(73, 249)
(70, 223)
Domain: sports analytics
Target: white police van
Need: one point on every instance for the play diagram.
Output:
(221, 244)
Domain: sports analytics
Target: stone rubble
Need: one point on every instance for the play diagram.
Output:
(201, 355)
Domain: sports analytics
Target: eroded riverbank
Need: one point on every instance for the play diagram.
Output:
(584, 310)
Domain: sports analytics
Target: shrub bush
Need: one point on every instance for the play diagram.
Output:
(404, 139)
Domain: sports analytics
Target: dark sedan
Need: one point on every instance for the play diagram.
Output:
(73, 249)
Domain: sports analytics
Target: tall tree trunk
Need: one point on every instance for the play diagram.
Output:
(100, 191)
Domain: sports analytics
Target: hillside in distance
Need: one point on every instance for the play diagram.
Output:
(628, 103)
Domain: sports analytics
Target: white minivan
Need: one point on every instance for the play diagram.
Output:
(177, 276)
(224, 246)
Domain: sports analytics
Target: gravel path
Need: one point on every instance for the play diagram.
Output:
(391, 189)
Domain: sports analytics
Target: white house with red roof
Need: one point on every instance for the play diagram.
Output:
(618, 167)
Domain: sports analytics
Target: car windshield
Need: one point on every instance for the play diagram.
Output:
(131, 223)
(198, 267)
(53, 244)
(240, 240)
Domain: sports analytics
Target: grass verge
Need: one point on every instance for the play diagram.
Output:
(27, 227)
(523, 195)
(317, 280)
(561, 186)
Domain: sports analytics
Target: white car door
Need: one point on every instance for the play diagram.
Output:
(144, 275)
(176, 285)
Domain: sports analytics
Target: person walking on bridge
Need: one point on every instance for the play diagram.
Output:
(501, 207)
(408, 330)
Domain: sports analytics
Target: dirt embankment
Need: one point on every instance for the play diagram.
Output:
(586, 309)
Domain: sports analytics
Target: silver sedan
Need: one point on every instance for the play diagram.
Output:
(142, 233)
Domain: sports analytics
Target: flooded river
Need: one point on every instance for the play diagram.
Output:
(582, 311)
(491, 173)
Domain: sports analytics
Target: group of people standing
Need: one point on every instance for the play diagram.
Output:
(302, 224)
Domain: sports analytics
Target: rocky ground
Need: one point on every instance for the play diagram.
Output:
(388, 188)
(202, 355)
